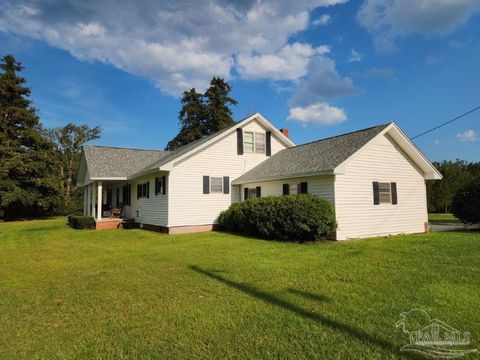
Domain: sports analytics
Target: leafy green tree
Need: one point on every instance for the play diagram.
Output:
(28, 169)
(69, 140)
(203, 114)
(455, 175)
(466, 202)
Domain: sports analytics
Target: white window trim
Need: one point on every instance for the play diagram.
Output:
(389, 202)
(254, 142)
(221, 184)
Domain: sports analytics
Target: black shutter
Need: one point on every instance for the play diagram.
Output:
(164, 183)
(286, 189)
(206, 184)
(226, 185)
(139, 187)
(245, 194)
(268, 143)
(148, 189)
(239, 141)
(393, 188)
(129, 189)
(157, 186)
(304, 188)
(258, 191)
(376, 193)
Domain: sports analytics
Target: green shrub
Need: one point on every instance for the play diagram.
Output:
(81, 222)
(290, 218)
(466, 202)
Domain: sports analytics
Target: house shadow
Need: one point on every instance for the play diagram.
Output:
(318, 318)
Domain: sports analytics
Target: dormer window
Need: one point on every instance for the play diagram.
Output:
(254, 142)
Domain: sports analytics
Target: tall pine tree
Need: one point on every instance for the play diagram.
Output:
(218, 112)
(191, 118)
(28, 169)
(204, 114)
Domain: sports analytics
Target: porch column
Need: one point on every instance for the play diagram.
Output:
(93, 191)
(89, 199)
(99, 200)
(84, 201)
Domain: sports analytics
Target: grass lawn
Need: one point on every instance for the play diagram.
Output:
(138, 294)
(442, 219)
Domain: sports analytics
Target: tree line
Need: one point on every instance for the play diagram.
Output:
(38, 166)
(456, 174)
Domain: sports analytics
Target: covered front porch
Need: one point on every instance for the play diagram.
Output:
(104, 201)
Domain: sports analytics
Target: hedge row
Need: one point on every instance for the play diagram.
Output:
(288, 218)
(81, 222)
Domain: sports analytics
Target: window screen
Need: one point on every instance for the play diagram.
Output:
(216, 184)
(248, 142)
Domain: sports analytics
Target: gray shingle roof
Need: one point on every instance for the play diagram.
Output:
(107, 162)
(315, 157)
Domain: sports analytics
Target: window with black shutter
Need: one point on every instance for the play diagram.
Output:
(268, 143)
(286, 189)
(143, 190)
(384, 193)
(126, 193)
(239, 141)
(226, 185)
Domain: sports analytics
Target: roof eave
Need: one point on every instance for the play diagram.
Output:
(284, 177)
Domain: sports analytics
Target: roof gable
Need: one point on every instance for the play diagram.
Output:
(166, 162)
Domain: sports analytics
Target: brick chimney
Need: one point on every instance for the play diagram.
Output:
(284, 132)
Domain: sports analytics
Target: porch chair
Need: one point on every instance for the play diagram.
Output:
(117, 211)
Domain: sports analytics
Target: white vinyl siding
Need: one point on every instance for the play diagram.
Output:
(152, 210)
(187, 203)
(383, 161)
(322, 186)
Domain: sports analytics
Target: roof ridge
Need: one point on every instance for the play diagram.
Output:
(124, 148)
(344, 134)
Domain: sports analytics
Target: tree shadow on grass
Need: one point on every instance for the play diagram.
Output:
(308, 295)
(320, 319)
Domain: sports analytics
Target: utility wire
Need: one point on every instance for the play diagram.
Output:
(446, 123)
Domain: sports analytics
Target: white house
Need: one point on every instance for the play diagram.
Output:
(374, 177)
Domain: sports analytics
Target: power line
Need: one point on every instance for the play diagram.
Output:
(446, 123)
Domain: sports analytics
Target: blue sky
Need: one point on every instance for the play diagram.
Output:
(319, 68)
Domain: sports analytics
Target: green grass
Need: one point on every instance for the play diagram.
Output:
(136, 294)
(442, 219)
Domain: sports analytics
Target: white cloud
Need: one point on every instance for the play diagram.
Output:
(322, 83)
(436, 141)
(176, 44)
(319, 113)
(388, 19)
(469, 135)
(290, 63)
(355, 56)
(322, 20)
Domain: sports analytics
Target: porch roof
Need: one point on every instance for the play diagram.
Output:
(117, 163)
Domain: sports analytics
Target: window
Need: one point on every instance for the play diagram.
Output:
(293, 189)
(384, 193)
(260, 143)
(216, 185)
(126, 194)
(143, 190)
(254, 142)
(160, 185)
(252, 193)
(248, 144)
